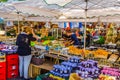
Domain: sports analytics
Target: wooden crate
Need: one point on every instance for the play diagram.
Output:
(35, 70)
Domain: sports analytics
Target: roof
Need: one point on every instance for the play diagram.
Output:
(53, 9)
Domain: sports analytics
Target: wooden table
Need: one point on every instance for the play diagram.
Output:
(35, 70)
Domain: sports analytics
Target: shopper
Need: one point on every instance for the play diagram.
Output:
(24, 50)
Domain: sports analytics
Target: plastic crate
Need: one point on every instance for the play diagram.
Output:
(3, 75)
(2, 70)
(12, 65)
(74, 76)
(2, 65)
(12, 74)
(40, 77)
(12, 57)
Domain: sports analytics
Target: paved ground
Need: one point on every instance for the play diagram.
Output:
(18, 79)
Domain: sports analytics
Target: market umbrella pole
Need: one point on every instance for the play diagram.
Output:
(18, 23)
(86, 9)
(85, 30)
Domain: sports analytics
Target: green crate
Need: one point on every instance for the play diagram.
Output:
(42, 76)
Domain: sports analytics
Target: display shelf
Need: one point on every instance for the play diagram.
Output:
(47, 65)
(60, 57)
(57, 56)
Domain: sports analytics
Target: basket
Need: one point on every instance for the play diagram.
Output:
(37, 61)
(74, 76)
(113, 58)
(3, 58)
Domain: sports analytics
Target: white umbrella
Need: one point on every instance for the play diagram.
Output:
(86, 5)
(70, 8)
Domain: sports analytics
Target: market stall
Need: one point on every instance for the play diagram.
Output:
(78, 39)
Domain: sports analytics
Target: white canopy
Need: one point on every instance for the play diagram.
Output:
(52, 9)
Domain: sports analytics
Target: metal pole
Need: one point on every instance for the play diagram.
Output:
(86, 9)
(57, 33)
(18, 23)
(85, 30)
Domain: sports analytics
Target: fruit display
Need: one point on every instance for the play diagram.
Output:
(118, 40)
(112, 72)
(74, 50)
(32, 44)
(100, 53)
(118, 43)
(106, 77)
(47, 38)
(64, 70)
(101, 40)
(74, 59)
(67, 43)
(61, 71)
(88, 52)
(72, 62)
(44, 32)
(111, 34)
(46, 42)
(88, 69)
(8, 49)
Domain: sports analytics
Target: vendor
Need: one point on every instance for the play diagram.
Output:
(24, 50)
(88, 38)
(79, 35)
(65, 36)
(73, 37)
(78, 32)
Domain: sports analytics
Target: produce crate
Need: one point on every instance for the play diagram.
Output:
(3, 58)
(35, 70)
(2, 70)
(40, 77)
(116, 64)
(12, 74)
(12, 61)
(74, 76)
(104, 62)
(57, 77)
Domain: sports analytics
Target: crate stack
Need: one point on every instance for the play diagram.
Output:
(12, 65)
(3, 67)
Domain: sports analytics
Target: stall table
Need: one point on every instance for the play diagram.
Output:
(35, 70)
